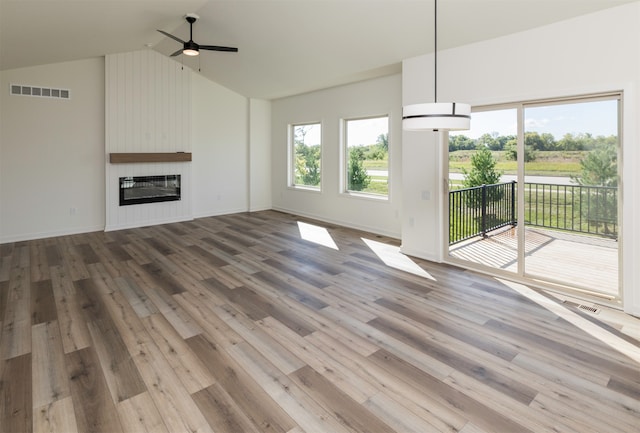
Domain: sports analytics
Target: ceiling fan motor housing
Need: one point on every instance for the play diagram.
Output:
(191, 48)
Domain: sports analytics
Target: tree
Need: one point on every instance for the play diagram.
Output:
(307, 165)
(383, 140)
(483, 169)
(488, 140)
(493, 141)
(461, 142)
(300, 132)
(582, 141)
(307, 157)
(483, 172)
(357, 176)
(502, 141)
(600, 168)
(511, 151)
(536, 141)
(549, 141)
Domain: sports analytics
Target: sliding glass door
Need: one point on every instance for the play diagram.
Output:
(482, 193)
(533, 191)
(571, 193)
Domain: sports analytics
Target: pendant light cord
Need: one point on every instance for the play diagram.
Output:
(435, 51)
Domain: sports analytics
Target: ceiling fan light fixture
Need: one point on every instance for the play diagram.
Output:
(191, 48)
(435, 116)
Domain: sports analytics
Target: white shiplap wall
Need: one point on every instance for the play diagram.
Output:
(148, 109)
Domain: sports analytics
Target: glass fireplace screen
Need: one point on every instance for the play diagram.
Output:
(149, 189)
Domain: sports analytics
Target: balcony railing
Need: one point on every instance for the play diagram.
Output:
(478, 210)
(577, 208)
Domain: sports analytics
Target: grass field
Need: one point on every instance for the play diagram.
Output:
(376, 164)
(549, 163)
(378, 184)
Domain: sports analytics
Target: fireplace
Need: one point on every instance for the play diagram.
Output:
(149, 189)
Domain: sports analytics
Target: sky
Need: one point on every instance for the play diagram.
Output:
(366, 131)
(597, 118)
(594, 117)
(359, 131)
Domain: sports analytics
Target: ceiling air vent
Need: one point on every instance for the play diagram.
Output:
(39, 92)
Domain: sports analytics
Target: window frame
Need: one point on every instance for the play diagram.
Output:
(344, 160)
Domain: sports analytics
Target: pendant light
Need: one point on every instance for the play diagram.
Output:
(436, 115)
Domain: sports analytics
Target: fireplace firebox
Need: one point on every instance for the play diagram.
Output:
(149, 189)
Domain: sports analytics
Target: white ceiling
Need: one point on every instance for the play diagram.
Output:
(286, 47)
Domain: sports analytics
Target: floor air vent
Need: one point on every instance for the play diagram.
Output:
(587, 308)
(581, 306)
(39, 92)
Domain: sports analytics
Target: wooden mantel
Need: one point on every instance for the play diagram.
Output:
(123, 158)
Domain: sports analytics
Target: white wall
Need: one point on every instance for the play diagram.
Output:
(259, 155)
(594, 53)
(220, 149)
(52, 152)
(369, 98)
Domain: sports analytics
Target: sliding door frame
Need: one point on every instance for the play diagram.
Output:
(521, 274)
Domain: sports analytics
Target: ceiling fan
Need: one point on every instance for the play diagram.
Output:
(190, 48)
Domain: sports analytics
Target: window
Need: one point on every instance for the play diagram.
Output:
(366, 156)
(305, 155)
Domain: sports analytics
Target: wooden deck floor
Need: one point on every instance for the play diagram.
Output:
(585, 262)
(266, 322)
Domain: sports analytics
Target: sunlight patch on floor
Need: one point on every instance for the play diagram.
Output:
(392, 257)
(611, 340)
(317, 235)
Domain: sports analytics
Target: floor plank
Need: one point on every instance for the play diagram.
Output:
(55, 417)
(94, 408)
(16, 324)
(43, 306)
(140, 415)
(50, 382)
(16, 411)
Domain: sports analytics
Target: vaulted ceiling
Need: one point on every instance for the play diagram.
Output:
(286, 47)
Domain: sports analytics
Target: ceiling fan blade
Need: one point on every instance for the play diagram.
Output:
(218, 48)
(171, 36)
(177, 53)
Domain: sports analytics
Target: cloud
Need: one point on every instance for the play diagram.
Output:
(531, 123)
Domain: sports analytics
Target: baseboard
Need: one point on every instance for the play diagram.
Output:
(349, 224)
(49, 234)
(219, 212)
(420, 254)
(111, 228)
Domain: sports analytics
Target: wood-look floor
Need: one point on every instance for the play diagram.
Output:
(237, 324)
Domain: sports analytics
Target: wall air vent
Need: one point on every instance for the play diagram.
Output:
(39, 92)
